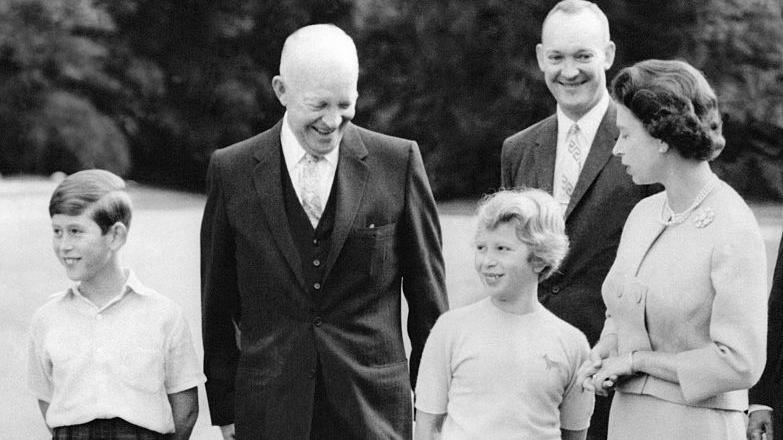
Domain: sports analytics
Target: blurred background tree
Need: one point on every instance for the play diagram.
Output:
(150, 88)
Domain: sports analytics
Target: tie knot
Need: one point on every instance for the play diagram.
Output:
(311, 158)
(574, 130)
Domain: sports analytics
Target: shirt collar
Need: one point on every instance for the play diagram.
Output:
(132, 284)
(588, 124)
(293, 151)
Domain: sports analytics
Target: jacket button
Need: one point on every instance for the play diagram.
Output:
(556, 290)
(317, 286)
(317, 321)
(316, 262)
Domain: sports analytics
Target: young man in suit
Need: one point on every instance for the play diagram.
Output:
(569, 154)
(309, 232)
(766, 397)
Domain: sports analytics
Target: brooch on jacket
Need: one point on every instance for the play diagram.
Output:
(703, 217)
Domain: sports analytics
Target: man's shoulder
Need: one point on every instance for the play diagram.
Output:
(532, 132)
(248, 147)
(379, 140)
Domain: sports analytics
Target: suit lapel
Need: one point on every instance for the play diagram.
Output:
(352, 174)
(544, 157)
(600, 153)
(267, 180)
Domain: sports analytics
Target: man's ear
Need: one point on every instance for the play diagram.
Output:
(609, 55)
(278, 85)
(118, 233)
(540, 56)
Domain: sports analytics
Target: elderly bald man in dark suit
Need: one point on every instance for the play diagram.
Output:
(310, 231)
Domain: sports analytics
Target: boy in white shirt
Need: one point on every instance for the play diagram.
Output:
(109, 358)
(505, 367)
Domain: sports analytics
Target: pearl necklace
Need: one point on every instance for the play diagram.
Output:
(669, 217)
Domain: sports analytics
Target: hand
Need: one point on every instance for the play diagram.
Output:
(612, 369)
(760, 422)
(227, 431)
(584, 375)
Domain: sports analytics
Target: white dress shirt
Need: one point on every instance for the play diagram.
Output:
(294, 158)
(120, 360)
(588, 127)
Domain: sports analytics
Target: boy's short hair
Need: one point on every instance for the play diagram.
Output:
(538, 222)
(99, 192)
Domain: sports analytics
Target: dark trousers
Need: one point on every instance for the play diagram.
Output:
(599, 423)
(106, 429)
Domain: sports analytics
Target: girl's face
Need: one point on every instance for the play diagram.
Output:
(502, 262)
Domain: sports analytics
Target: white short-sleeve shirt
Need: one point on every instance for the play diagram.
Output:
(121, 360)
(504, 376)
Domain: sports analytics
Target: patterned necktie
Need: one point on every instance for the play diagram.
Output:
(309, 188)
(571, 166)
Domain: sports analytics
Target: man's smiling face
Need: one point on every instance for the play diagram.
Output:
(320, 99)
(574, 54)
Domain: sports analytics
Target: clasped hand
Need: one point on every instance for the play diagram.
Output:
(599, 375)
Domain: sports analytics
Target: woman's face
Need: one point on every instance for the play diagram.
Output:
(641, 154)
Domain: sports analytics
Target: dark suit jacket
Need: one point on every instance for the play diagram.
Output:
(769, 390)
(386, 234)
(603, 197)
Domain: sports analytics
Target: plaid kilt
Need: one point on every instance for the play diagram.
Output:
(106, 429)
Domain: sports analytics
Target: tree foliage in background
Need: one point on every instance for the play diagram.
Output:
(739, 45)
(53, 87)
(150, 87)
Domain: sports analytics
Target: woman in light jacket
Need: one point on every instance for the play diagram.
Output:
(686, 297)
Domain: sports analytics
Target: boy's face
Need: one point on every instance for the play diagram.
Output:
(502, 262)
(80, 245)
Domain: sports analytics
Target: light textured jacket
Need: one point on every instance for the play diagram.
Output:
(695, 290)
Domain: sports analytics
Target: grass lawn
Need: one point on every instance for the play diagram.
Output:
(163, 250)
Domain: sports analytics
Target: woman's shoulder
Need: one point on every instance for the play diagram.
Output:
(647, 210)
(650, 203)
(731, 214)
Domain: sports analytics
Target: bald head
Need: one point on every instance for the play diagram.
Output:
(317, 48)
(317, 85)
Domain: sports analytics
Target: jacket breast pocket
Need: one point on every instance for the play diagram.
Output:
(371, 249)
(626, 302)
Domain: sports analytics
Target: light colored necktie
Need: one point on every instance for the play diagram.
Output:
(309, 185)
(571, 166)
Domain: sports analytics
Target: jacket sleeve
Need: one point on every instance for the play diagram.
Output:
(220, 306)
(421, 260)
(735, 358)
(506, 165)
(761, 393)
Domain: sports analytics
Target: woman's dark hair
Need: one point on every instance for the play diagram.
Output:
(676, 105)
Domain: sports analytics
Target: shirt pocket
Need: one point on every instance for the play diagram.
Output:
(141, 368)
